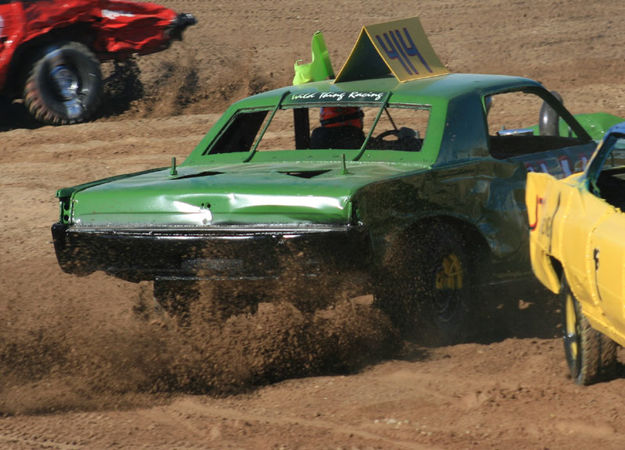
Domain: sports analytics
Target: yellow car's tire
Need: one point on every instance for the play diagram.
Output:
(590, 355)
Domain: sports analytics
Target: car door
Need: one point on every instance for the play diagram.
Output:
(581, 214)
(606, 247)
(605, 256)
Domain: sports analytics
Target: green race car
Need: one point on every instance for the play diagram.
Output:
(416, 187)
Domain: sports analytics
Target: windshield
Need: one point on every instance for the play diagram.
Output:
(325, 126)
(616, 154)
(607, 173)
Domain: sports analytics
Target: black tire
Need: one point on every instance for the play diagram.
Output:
(427, 286)
(590, 355)
(64, 84)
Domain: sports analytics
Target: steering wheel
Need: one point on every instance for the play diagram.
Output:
(404, 138)
(380, 137)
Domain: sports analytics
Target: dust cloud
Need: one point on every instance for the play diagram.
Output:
(66, 363)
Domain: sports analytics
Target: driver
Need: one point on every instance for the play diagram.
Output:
(340, 116)
(341, 127)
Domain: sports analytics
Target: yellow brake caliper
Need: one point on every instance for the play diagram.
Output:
(449, 275)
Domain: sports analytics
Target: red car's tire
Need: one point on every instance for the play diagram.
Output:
(64, 84)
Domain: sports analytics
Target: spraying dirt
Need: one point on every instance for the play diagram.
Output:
(90, 363)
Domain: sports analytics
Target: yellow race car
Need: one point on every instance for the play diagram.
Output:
(577, 247)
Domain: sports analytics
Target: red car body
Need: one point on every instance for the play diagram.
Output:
(112, 29)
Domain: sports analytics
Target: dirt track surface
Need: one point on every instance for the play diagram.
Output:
(85, 364)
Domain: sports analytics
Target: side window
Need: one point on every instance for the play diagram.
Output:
(513, 128)
(608, 182)
(513, 112)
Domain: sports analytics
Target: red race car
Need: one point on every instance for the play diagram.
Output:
(50, 50)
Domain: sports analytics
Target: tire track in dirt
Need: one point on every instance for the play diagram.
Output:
(27, 438)
(187, 406)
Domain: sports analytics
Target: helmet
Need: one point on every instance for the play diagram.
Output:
(339, 116)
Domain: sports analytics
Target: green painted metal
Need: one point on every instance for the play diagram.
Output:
(375, 122)
(173, 171)
(259, 193)
(262, 132)
(595, 124)
(453, 177)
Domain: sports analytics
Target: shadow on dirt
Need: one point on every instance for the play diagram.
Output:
(13, 115)
(526, 310)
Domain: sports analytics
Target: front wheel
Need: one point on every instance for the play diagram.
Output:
(590, 355)
(427, 286)
(64, 84)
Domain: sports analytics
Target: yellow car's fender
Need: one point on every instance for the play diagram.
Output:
(540, 210)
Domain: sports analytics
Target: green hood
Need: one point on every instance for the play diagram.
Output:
(261, 194)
